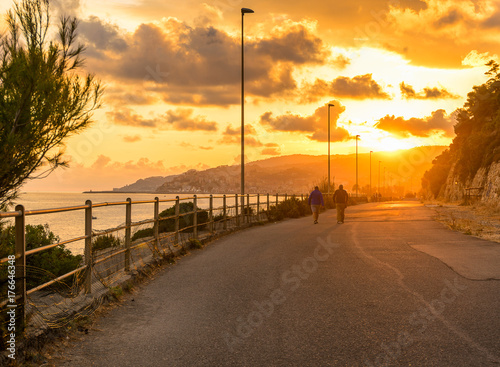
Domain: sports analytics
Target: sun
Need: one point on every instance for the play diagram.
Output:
(390, 144)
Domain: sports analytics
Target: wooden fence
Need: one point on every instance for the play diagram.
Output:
(256, 206)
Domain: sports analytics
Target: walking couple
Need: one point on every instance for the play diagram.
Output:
(340, 199)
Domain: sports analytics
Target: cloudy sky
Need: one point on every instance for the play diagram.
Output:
(395, 71)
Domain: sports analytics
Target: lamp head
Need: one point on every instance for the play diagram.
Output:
(246, 11)
(331, 105)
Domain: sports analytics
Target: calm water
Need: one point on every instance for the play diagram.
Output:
(71, 224)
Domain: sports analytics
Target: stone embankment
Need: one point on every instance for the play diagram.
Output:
(486, 180)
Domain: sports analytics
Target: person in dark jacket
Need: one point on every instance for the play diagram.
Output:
(316, 202)
(340, 198)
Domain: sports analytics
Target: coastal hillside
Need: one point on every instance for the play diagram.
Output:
(400, 172)
(472, 162)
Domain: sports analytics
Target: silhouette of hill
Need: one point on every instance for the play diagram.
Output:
(299, 173)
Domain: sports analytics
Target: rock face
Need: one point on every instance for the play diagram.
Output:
(491, 185)
(486, 178)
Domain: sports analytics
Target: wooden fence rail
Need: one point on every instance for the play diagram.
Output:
(242, 216)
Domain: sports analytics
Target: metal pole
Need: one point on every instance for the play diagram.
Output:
(328, 149)
(242, 110)
(243, 11)
(329, 105)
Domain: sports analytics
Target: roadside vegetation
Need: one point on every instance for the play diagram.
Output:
(477, 141)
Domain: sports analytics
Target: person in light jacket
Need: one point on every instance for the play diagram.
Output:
(316, 202)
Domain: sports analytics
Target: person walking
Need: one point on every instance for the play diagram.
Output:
(340, 199)
(316, 202)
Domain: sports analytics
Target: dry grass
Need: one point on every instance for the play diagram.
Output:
(480, 219)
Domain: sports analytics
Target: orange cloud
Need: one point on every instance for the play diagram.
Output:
(313, 124)
(179, 119)
(132, 139)
(427, 93)
(359, 87)
(233, 136)
(197, 65)
(438, 123)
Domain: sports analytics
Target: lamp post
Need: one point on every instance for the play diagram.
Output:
(357, 137)
(370, 191)
(329, 105)
(243, 12)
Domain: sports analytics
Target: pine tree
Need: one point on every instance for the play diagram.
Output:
(44, 97)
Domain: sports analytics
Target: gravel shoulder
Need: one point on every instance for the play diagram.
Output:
(480, 220)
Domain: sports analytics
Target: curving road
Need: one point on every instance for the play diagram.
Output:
(390, 287)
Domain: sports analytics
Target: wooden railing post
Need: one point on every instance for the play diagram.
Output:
(88, 247)
(277, 200)
(242, 208)
(236, 207)
(268, 202)
(156, 229)
(177, 212)
(20, 223)
(128, 232)
(211, 213)
(195, 217)
(224, 212)
(248, 212)
(286, 197)
(258, 207)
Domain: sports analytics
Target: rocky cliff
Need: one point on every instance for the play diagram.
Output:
(485, 183)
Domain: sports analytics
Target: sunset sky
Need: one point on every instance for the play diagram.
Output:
(395, 70)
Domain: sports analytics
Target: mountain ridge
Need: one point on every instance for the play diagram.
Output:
(298, 173)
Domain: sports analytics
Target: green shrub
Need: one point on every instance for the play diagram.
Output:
(142, 233)
(54, 262)
(105, 241)
(168, 225)
(194, 243)
(290, 208)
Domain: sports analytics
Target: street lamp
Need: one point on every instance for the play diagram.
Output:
(243, 12)
(357, 137)
(329, 105)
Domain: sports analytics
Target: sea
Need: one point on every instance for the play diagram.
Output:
(68, 225)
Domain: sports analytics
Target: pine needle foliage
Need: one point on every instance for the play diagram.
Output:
(44, 97)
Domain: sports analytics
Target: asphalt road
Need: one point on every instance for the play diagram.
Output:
(363, 293)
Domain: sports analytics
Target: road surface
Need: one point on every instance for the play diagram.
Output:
(390, 287)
